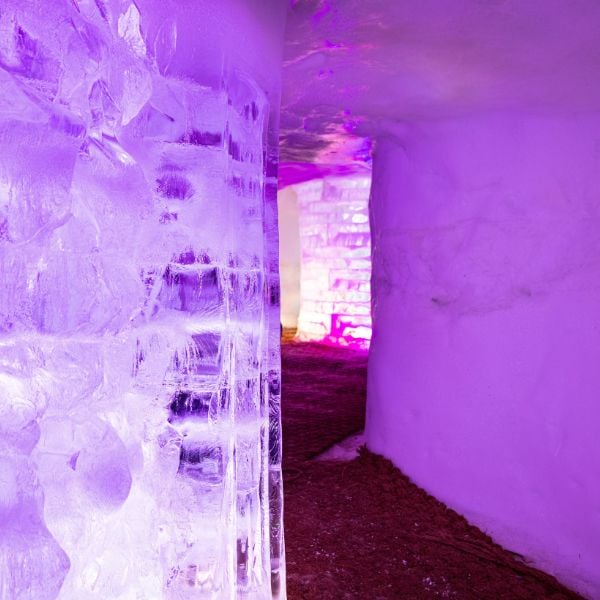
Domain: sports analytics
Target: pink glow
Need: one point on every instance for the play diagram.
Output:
(335, 243)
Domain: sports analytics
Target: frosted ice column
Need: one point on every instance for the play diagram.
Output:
(139, 358)
(335, 280)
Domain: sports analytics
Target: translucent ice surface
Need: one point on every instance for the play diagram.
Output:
(139, 328)
(335, 274)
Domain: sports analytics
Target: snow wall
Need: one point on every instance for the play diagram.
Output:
(484, 378)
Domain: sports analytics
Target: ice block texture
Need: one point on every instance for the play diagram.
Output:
(139, 358)
(335, 280)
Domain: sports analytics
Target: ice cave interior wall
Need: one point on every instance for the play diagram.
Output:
(483, 384)
(485, 208)
(325, 260)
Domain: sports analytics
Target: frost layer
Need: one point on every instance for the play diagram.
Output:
(139, 383)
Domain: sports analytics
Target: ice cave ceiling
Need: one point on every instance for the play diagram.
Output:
(352, 66)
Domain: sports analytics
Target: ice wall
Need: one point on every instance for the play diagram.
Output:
(139, 322)
(483, 373)
(289, 256)
(335, 280)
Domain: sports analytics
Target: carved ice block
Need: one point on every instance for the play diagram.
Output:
(139, 330)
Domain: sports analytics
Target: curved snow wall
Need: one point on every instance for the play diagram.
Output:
(335, 271)
(483, 372)
(139, 318)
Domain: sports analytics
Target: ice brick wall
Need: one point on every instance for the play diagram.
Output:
(335, 261)
(139, 364)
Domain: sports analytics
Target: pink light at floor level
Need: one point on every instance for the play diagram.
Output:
(335, 278)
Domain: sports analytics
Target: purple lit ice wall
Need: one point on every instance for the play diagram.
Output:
(335, 279)
(483, 373)
(139, 322)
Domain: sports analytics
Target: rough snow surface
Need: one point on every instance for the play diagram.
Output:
(335, 273)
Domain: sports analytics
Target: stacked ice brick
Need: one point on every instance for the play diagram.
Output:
(139, 384)
(335, 261)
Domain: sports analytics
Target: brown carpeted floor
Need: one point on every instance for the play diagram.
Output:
(361, 529)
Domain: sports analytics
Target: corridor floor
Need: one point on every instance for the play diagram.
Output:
(360, 529)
